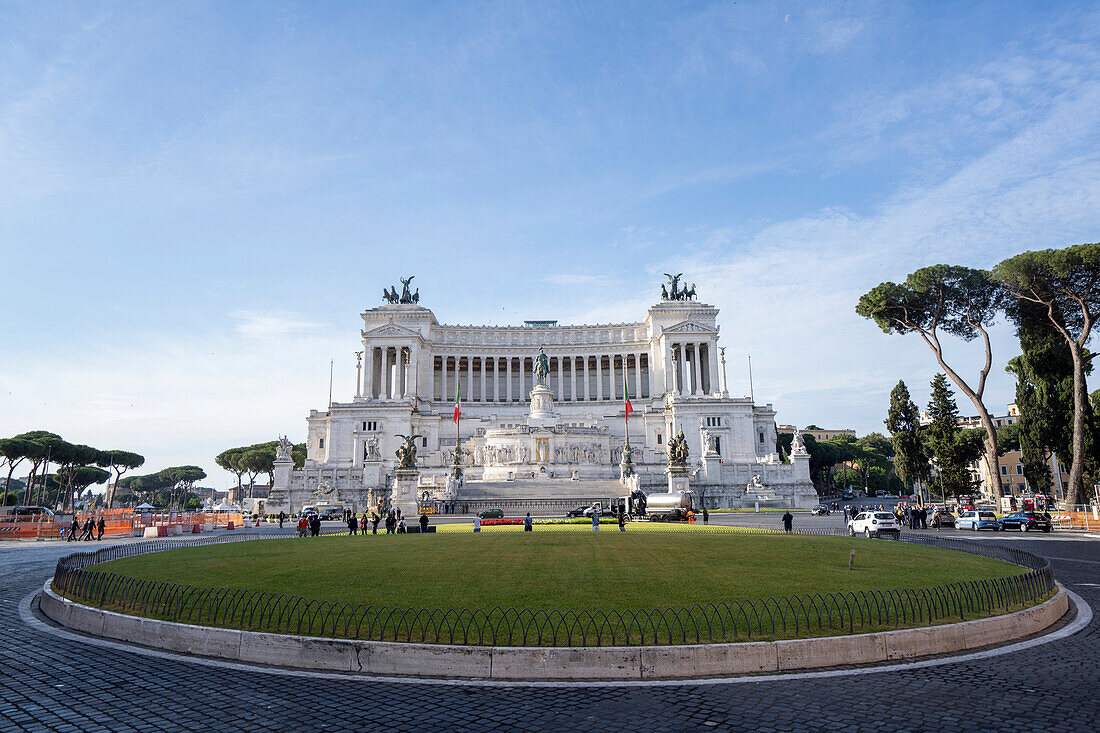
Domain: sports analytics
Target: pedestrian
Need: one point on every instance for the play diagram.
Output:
(706, 515)
(477, 522)
(100, 526)
(73, 529)
(391, 522)
(374, 520)
(315, 525)
(622, 521)
(788, 520)
(282, 518)
(423, 523)
(88, 528)
(596, 520)
(398, 513)
(527, 522)
(303, 525)
(353, 525)
(401, 528)
(924, 517)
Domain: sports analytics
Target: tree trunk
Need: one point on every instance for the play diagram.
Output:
(990, 432)
(1075, 490)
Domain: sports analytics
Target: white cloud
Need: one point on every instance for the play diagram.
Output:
(266, 324)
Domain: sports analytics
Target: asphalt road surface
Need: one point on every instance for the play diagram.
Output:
(53, 679)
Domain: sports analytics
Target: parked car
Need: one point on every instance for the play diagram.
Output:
(329, 514)
(578, 512)
(874, 524)
(849, 494)
(1026, 521)
(492, 514)
(820, 509)
(977, 520)
(941, 518)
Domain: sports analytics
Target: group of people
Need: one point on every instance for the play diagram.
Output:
(309, 525)
(86, 531)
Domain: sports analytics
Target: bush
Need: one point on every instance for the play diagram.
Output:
(604, 519)
(491, 522)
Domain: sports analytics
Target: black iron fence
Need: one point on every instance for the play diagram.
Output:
(722, 621)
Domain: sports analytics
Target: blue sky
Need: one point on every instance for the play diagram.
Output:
(197, 199)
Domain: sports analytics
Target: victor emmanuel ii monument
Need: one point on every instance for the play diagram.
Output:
(542, 414)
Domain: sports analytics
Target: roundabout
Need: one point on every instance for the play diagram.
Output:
(689, 623)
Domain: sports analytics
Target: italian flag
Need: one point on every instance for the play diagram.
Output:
(458, 399)
(626, 397)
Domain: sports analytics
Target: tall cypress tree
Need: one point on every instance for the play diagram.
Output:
(945, 440)
(903, 422)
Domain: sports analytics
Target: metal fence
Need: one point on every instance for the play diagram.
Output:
(722, 621)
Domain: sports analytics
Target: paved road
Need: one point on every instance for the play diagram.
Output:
(51, 682)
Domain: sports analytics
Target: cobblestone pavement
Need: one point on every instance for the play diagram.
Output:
(51, 683)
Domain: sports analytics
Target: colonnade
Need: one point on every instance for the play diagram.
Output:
(593, 377)
(691, 368)
(389, 372)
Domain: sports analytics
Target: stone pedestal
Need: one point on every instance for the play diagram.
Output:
(542, 407)
(678, 478)
(712, 468)
(403, 492)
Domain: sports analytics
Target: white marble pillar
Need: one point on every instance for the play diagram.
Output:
(682, 371)
(572, 379)
(587, 392)
(368, 376)
(470, 378)
(600, 378)
(443, 378)
(561, 379)
(712, 367)
(523, 397)
(697, 353)
(612, 395)
(509, 379)
(402, 373)
(482, 381)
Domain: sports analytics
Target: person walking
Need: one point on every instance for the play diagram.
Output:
(73, 529)
(596, 519)
(477, 522)
(353, 525)
(423, 523)
(391, 522)
(374, 520)
(527, 522)
(622, 521)
(88, 528)
(706, 515)
(303, 525)
(315, 525)
(788, 521)
(100, 526)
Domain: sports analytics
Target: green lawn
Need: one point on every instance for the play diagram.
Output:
(559, 570)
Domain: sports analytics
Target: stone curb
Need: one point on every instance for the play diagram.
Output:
(550, 663)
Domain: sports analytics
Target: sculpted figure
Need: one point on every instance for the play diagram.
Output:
(406, 454)
(664, 292)
(406, 296)
(282, 451)
(416, 296)
(674, 280)
(542, 367)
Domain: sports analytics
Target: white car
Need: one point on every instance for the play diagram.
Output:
(874, 524)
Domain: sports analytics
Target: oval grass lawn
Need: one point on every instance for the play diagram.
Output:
(560, 570)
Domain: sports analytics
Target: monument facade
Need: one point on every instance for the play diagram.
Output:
(543, 402)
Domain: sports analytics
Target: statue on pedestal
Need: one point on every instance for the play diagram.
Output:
(406, 454)
(677, 450)
(542, 367)
(282, 450)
